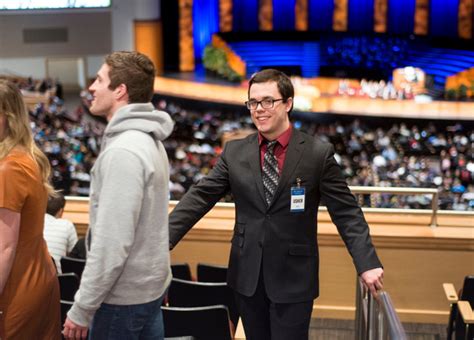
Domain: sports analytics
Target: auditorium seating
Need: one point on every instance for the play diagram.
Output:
(65, 307)
(68, 285)
(211, 273)
(72, 265)
(184, 293)
(210, 322)
(356, 52)
(467, 315)
(181, 271)
(456, 325)
(439, 62)
(261, 54)
(72, 155)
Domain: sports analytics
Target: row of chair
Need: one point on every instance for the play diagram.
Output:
(461, 316)
(193, 308)
(204, 308)
(208, 322)
(184, 293)
(205, 272)
(72, 265)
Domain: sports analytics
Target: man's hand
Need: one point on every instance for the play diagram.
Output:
(373, 279)
(74, 331)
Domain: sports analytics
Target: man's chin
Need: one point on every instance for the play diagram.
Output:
(262, 128)
(95, 112)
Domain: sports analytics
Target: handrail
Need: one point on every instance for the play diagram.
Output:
(395, 329)
(404, 191)
(376, 317)
(467, 315)
(362, 190)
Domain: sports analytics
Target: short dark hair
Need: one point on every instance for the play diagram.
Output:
(136, 71)
(55, 203)
(285, 87)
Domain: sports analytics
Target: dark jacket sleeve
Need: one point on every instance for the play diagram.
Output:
(199, 200)
(347, 215)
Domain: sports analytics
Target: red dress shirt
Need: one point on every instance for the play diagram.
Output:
(280, 148)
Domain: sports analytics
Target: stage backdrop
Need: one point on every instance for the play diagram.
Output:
(437, 18)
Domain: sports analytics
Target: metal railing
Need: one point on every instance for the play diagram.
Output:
(404, 191)
(362, 190)
(376, 318)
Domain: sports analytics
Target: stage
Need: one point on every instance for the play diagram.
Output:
(199, 87)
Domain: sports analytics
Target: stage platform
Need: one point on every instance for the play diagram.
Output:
(203, 88)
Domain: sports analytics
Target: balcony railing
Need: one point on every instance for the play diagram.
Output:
(376, 318)
(403, 191)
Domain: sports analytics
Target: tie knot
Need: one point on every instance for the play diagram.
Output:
(271, 146)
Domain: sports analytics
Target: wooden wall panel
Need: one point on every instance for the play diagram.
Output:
(301, 15)
(265, 15)
(149, 41)
(422, 17)
(340, 15)
(186, 42)
(380, 16)
(466, 10)
(225, 15)
(407, 252)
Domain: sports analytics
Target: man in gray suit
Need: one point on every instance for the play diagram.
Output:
(277, 178)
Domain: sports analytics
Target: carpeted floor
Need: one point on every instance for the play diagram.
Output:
(331, 329)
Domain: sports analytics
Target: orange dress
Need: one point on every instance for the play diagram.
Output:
(30, 299)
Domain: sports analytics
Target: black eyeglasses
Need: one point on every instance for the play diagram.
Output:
(266, 103)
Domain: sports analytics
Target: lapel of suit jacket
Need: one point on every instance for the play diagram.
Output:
(293, 156)
(254, 160)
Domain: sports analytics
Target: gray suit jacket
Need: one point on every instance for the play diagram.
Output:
(272, 239)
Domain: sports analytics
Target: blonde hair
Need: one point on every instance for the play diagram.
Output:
(18, 131)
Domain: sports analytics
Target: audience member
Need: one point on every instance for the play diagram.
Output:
(128, 270)
(29, 288)
(79, 250)
(60, 234)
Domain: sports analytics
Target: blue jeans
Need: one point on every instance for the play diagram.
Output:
(128, 322)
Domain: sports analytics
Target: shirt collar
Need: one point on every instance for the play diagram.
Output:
(283, 139)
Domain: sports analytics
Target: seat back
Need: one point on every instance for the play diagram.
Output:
(181, 271)
(466, 294)
(211, 273)
(65, 307)
(209, 322)
(72, 265)
(184, 293)
(68, 285)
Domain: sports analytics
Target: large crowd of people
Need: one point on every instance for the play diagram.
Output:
(406, 156)
(72, 142)
(427, 156)
(422, 155)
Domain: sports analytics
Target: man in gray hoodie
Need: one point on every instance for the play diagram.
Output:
(128, 266)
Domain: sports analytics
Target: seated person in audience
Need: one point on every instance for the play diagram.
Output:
(79, 250)
(60, 234)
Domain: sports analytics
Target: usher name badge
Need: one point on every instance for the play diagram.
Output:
(297, 197)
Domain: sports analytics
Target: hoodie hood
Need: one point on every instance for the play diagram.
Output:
(141, 117)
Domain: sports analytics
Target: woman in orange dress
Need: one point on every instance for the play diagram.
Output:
(29, 289)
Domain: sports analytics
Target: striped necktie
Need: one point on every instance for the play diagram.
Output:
(270, 172)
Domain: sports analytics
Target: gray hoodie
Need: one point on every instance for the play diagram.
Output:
(128, 259)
